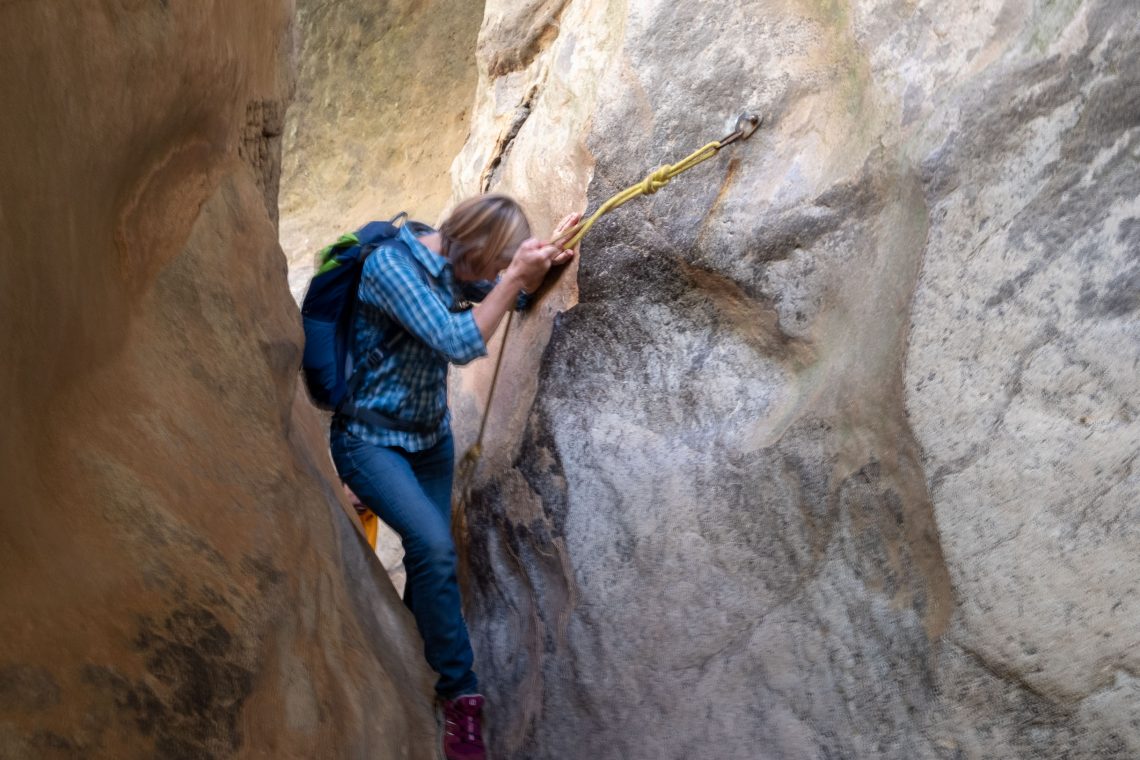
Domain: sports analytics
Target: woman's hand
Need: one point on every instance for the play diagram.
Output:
(527, 271)
(564, 257)
(534, 258)
(531, 262)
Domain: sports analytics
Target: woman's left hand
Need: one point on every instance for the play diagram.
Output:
(564, 256)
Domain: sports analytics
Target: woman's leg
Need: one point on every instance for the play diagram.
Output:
(385, 480)
(435, 470)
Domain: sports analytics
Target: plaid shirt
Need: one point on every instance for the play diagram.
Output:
(410, 308)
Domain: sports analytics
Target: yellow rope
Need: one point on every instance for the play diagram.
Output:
(466, 473)
(656, 180)
(471, 457)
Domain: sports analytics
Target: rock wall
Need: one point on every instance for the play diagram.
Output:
(384, 93)
(177, 576)
(831, 451)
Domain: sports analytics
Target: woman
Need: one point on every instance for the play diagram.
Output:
(409, 328)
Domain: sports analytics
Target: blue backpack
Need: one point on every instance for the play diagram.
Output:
(328, 312)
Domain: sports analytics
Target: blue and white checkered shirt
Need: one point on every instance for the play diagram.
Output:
(409, 309)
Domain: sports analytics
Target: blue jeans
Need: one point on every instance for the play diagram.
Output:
(411, 491)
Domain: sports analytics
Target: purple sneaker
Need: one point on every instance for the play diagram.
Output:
(463, 728)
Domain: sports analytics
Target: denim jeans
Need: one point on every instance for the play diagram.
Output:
(411, 491)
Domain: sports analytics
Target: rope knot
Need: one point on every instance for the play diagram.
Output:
(656, 180)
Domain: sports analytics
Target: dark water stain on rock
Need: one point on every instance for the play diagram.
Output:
(262, 568)
(191, 698)
(1121, 296)
(26, 688)
(135, 702)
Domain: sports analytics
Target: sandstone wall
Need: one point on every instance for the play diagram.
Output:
(831, 451)
(384, 92)
(177, 576)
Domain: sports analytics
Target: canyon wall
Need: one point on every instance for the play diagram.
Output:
(384, 93)
(178, 577)
(828, 448)
(825, 450)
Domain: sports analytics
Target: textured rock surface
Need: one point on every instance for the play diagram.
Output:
(1022, 371)
(384, 92)
(828, 450)
(835, 454)
(177, 576)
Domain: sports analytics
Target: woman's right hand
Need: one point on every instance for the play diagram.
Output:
(531, 262)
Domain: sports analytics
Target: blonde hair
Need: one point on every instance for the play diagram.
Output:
(482, 231)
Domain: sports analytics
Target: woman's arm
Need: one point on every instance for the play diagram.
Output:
(528, 267)
(475, 291)
(397, 286)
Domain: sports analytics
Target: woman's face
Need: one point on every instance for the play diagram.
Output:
(491, 270)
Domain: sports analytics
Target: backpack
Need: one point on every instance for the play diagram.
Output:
(328, 312)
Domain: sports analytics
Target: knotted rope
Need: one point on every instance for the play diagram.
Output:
(655, 180)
